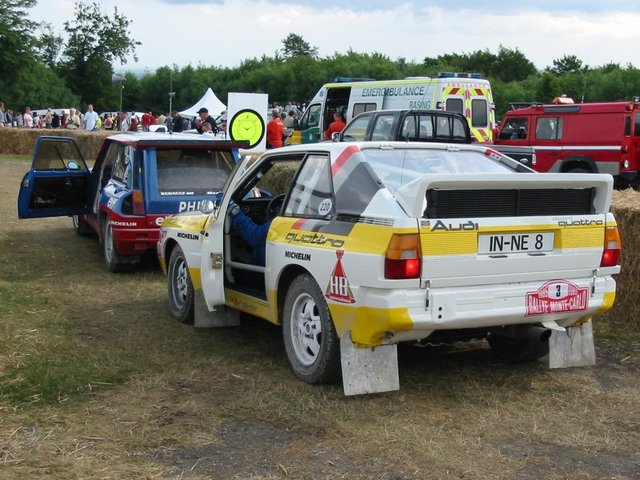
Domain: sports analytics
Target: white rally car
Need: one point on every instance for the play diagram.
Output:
(372, 244)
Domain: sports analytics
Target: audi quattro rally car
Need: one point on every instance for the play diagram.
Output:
(372, 244)
(136, 181)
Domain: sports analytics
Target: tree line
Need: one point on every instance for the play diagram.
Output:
(42, 68)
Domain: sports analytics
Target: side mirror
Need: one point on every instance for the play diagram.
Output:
(207, 206)
(72, 165)
(335, 136)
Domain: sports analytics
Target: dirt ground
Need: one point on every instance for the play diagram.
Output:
(164, 401)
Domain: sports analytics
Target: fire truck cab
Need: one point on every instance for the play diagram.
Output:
(578, 137)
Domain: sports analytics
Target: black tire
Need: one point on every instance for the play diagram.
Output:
(310, 339)
(519, 350)
(112, 259)
(180, 287)
(81, 227)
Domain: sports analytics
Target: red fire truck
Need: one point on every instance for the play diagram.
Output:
(578, 137)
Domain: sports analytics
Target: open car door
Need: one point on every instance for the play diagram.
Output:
(58, 183)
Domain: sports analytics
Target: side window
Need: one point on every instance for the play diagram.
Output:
(122, 164)
(277, 180)
(311, 117)
(426, 127)
(409, 130)
(311, 195)
(459, 132)
(549, 128)
(627, 126)
(359, 108)
(443, 128)
(479, 113)
(58, 155)
(514, 129)
(382, 127)
(636, 125)
(357, 129)
(454, 105)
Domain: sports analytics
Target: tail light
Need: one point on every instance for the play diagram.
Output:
(403, 259)
(612, 247)
(138, 202)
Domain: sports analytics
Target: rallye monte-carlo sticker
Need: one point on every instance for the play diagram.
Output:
(338, 288)
(557, 296)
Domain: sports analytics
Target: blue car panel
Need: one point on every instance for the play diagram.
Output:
(137, 180)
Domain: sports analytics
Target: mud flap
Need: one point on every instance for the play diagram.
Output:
(572, 348)
(222, 316)
(368, 370)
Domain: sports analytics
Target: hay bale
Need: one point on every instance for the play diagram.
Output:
(625, 206)
(20, 141)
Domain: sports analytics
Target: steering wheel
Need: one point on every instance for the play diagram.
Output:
(275, 206)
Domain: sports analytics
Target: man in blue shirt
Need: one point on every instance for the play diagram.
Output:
(255, 235)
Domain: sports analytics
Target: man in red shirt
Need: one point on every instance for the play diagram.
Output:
(275, 130)
(335, 127)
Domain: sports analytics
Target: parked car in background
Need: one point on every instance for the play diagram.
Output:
(407, 125)
(137, 180)
(422, 126)
(365, 245)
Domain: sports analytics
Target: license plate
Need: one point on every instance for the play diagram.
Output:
(532, 242)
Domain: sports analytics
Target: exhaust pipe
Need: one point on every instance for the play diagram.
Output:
(523, 332)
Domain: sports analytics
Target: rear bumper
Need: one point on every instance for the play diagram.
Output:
(403, 315)
(132, 241)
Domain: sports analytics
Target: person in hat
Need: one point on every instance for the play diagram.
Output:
(205, 118)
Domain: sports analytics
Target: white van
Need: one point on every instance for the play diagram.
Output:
(465, 93)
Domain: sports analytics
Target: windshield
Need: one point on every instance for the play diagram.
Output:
(396, 168)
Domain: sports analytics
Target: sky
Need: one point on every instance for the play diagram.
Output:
(223, 33)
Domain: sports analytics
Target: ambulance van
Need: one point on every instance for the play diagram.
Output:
(465, 93)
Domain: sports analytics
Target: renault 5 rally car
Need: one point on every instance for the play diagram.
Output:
(136, 181)
(370, 244)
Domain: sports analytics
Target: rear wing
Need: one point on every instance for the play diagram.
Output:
(506, 195)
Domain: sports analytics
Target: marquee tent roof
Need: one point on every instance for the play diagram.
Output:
(209, 101)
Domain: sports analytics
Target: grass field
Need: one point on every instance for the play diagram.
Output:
(97, 381)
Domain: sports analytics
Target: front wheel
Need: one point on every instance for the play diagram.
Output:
(310, 339)
(180, 287)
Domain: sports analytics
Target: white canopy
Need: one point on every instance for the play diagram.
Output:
(209, 101)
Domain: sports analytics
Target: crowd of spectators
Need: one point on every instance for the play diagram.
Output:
(282, 122)
(75, 119)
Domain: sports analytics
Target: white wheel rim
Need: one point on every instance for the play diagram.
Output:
(306, 329)
(180, 282)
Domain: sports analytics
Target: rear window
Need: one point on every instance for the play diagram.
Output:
(193, 172)
(396, 168)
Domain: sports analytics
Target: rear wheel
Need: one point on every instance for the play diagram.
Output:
(310, 339)
(81, 227)
(518, 350)
(112, 259)
(180, 287)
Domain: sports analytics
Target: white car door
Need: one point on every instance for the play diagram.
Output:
(212, 259)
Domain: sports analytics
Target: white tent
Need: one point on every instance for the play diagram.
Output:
(208, 101)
